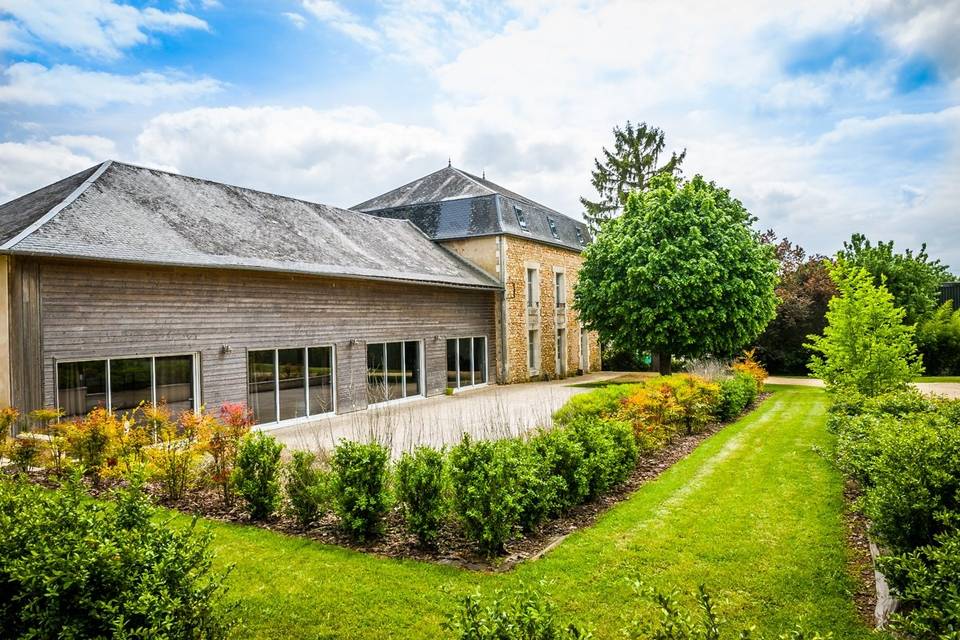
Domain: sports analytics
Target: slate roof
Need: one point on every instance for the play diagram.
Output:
(451, 203)
(122, 212)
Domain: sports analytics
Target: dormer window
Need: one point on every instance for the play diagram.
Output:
(521, 219)
(579, 236)
(553, 227)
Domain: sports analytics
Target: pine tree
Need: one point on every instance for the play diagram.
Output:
(628, 168)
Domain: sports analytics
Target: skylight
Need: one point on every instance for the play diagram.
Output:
(579, 236)
(521, 219)
(553, 227)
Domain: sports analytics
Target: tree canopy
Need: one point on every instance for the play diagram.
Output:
(912, 278)
(628, 168)
(865, 346)
(681, 272)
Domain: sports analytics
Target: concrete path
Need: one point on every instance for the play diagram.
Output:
(947, 389)
(487, 412)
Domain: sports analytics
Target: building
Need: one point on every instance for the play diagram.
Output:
(124, 284)
(950, 291)
(533, 252)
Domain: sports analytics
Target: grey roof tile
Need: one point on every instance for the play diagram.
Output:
(142, 215)
(451, 203)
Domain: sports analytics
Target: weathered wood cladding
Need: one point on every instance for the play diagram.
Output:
(26, 387)
(96, 310)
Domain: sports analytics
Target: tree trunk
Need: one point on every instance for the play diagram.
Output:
(664, 362)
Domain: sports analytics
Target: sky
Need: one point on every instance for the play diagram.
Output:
(824, 118)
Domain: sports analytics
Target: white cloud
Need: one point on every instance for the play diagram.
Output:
(34, 84)
(298, 20)
(338, 156)
(25, 166)
(101, 28)
(331, 13)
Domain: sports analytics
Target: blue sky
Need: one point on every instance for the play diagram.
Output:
(824, 119)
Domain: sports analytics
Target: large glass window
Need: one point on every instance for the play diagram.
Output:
(81, 386)
(533, 288)
(466, 361)
(560, 289)
(122, 384)
(292, 381)
(285, 384)
(320, 380)
(174, 380)
(262, 385)
(393, 371)
(533, 351)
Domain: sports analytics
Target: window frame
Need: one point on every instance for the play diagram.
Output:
(580, 238)
(532, 289)
(553, 228)
(195, 375)
(306, 383)
(522, 221)
(403, 361)
(559, 288)
(473, 361)
(534, 352)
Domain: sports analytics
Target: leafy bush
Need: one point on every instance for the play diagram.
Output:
(609, 452)
(256, 475)
(736, 393)
(524, 615)
(221, 440)
(175, 460)
(748, 364)
(486, 496)
(925, 580)
(307, 487)
(669, 405)
(563, 458)
(539, 489)
(90, 440)
(421, 491)
(938, 338)
(26, 451)
(360, 490)
(598, 403)
(71, 567)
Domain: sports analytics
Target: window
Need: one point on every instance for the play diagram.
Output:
(561, 352)
(122, 384)
(553, 227)
(521, 219)
(533, 287)
(466, 362)
(393, 371)
(579, 235)
(533, 350)
(560, 289)
(286, 384)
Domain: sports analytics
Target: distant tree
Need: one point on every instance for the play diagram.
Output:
(803, 292)
(681, 272)
(865, 346)
(628, 168)
(913, 279)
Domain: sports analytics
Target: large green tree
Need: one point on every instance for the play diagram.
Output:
(865, 346)
(912, 278)
(681, 272)
(628, 168)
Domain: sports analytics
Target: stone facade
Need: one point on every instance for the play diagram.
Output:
(508, 258)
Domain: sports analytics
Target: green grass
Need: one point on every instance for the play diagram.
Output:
(754, 512)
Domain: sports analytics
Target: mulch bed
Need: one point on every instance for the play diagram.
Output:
(859, 561)
(452, 547)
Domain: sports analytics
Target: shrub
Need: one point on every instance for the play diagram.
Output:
(563, 458)
(257, 474)
(748, 364)
(524, 615)
(421, 490)
(92, 438)
(307, 487)
(609, 452)
(925, 580)
(538, 487)
(8, 418)
(938, 338)
(486, 496)
(360, 491)
(737, 392)
(600, 402)
(175, 460)
(71, 567)
(26, 451)
(221, 440)
(669, 405)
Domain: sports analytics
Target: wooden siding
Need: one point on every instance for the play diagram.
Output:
(96, 310)
(25, 336)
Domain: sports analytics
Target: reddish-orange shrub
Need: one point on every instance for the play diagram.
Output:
(748, 364)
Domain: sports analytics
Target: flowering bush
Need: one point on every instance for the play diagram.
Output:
(221, 440)
(92, 440)
(749, 365)
(175, 458)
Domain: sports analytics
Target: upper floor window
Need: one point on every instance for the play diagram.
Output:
(553, 227)
(521, 219)
(561, 289)
(533, 287)
(579, 236)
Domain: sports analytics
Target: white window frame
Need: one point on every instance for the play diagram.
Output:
(195, 355)
(263, 426)
(533, 352)
(522, 221)
(532, 286)
(403, 361)
(559, 287)
(553, 228)
(486, 361)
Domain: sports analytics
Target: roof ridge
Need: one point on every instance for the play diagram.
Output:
(57, 208)
(475, 180)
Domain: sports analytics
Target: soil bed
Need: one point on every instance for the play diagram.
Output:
(859, 561)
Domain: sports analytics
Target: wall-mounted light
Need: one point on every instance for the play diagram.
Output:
(437, 338)
(354, 341)
(225, 349)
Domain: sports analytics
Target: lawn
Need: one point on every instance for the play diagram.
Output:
(754, 512)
